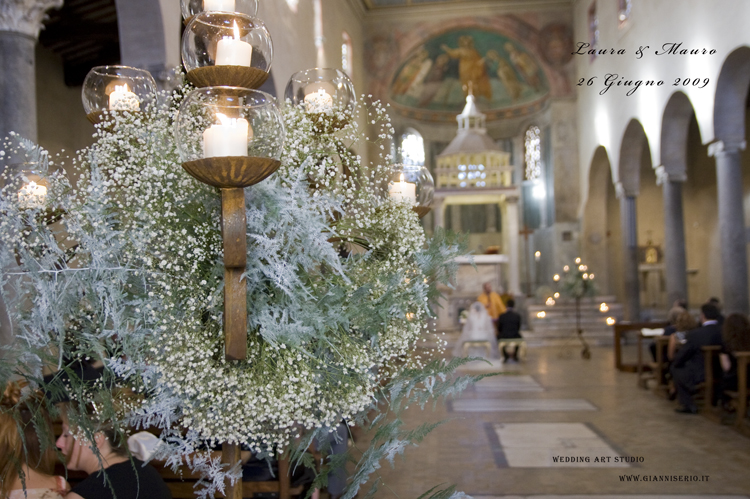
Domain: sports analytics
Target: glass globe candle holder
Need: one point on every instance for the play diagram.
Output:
(229, 137)
(111, 89)
(191, 8)
(413, 184)
(327, 95)
(221, 49)
(31, 186)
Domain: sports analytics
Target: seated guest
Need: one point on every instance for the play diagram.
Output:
(736, 336)
(683, 323)
(715, 302)
(24, 454)
(677, 309)
(111, 472)
(688, 366)
(509, 327)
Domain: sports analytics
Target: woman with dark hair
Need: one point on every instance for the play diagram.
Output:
(736, 336)
(111, 470)
(22, 453)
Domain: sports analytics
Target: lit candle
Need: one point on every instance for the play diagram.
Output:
(233, 51)
(318, 102)
(32, 195)
(219, 5)
(228, 138)
(122, 99)
(403, 191)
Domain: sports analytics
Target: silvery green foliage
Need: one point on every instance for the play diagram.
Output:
(123, 264)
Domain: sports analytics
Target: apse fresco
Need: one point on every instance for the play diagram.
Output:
(434, 79)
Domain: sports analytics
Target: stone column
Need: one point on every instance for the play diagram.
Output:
(629, 223)
(456, 218)
(675, 261)
(438, 210)
(731, 225)
(510, 227)
(20, 22)
(491, 218)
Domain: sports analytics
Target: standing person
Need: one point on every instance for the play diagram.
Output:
(111, 472)
(688, 366)
(492, 302)
(23, 453)
(509, 327)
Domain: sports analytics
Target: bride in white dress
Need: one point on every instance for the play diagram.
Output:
(478, 327)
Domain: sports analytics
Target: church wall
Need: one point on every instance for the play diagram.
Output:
(701, 223)
(603, 118)
(61, 122)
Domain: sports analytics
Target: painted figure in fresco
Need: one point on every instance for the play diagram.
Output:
(410, 72)
(434, 79)
(506, 74)
(471, 66)
(525, 65)
(417, 84)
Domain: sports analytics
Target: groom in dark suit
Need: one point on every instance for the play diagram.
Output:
(688, 366)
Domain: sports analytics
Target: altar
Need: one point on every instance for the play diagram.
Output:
(491, 269)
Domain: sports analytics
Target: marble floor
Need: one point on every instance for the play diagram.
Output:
(558, 426)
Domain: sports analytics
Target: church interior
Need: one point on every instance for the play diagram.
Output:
(592, 152)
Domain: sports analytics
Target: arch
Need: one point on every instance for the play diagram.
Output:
(143, 43)
(675, 124)
(601, 245)
(634, 142)
(731, 96)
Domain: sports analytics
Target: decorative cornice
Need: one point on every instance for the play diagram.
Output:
(25, 16)
(663, 176)
(721, 147)
(461, 8)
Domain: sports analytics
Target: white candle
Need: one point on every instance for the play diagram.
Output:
(403, 191)
(32, 195)
(318, 102)
(122, 99)
(233, 51)
(228, 138)
(219, 5)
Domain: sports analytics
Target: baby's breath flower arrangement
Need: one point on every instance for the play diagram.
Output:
(122, 263)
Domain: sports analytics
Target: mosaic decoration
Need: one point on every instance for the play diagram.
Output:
(433, 81)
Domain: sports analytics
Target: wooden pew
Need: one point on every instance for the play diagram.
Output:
(619, 332)
(710, 385)
(740, 397)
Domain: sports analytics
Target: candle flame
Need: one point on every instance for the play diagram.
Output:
(236, 31)
(402, 178)
(225, 120)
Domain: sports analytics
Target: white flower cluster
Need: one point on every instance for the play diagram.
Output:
(125, 265)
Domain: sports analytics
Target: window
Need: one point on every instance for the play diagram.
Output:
(533, 152)
(412, 148)
(346, 53)
(623, 11)
(593, 29)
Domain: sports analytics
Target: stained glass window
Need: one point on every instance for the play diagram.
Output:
(412, 148)
(533, 152)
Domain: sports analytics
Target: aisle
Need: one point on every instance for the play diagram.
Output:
(560, 426)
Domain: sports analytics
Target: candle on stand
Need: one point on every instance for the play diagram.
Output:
(233, 51)
(219, 5)
(122, 99)
(318, 102)
(403, 191)
(32, 195)
(229, 138)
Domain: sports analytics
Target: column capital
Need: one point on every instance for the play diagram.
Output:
(663, 176)
(725, 147)
(25, 16)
